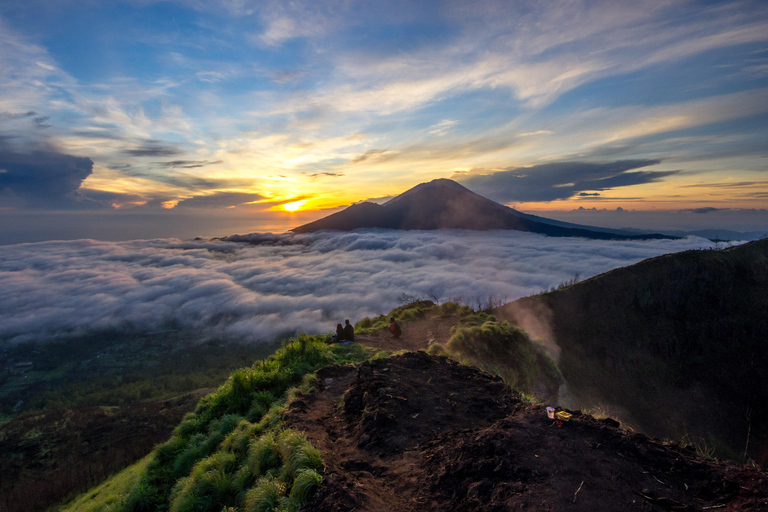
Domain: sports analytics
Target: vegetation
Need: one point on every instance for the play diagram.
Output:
(480, 340)
(501, 349)
(409, 311)
(113, 368)
(234, 451)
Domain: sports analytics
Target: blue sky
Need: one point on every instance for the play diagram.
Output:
(112, 113)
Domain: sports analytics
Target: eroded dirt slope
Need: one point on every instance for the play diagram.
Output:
(422, 433)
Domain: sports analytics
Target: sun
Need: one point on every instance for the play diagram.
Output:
(294, 206)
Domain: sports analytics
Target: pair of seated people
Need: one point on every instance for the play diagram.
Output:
(344, 333)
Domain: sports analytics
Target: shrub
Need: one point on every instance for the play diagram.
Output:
(304, 486)
(504, 350)
(266, 496)
(297, 454)
(143, 497)
(263, 455)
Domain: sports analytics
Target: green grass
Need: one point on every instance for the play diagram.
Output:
(234, 451)
(504, 350)
(480, 340)
(403, 313)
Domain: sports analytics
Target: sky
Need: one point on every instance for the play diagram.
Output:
(264, 286)
(139, 119)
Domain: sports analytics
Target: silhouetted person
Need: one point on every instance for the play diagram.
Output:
(394, 328)
(349, 331)
(339, 336)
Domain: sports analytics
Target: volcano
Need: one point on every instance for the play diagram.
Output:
(445, 204)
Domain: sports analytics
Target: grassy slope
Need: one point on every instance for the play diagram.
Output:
(676, 342)
(480, 340)
(234, 453)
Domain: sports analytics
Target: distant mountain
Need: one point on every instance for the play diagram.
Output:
(444, 204)
(675, 345)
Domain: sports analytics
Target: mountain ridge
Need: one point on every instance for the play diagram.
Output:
(676, 342)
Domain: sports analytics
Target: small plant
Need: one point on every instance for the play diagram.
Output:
(266, 496)
(306, 483)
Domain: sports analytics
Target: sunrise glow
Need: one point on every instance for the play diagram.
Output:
(294, 206)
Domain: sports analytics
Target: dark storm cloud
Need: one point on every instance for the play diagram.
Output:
(42, 178)
(153, 148)
(561, 180)
(219, 200)
(282, 283)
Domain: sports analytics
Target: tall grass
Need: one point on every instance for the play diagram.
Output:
(502, 349)
(234, 450)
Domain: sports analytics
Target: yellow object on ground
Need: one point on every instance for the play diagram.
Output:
(563, 416)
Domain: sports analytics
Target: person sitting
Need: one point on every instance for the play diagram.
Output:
(349, 331)
(394, 328)
(339, 336)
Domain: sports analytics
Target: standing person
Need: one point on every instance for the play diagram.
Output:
(349, 331)
(394, 328)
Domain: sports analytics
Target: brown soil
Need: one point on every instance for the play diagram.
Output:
(47, 457)
(422, 433)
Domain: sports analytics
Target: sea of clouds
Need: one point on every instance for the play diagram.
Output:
(262, 286)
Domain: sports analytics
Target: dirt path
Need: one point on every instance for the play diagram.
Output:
(421, 433)
(417, 334)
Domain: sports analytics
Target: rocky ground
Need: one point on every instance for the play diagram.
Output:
(420, 433)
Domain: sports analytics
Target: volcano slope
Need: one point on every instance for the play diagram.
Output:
(416, 432)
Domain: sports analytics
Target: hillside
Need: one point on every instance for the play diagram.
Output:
(414, 433)
(674, 344)
(344, 427)
(444, 204)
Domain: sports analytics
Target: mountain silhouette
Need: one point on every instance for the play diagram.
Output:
(445, 204)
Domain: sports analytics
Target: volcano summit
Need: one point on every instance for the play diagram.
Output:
(445, 204)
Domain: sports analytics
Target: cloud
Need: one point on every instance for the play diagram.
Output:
(114, 199)
(42, 178)
(371, 153)
(153, 148)
(706, 209)
(561, 180)
(326, 174)
(219, 200)
(281, 283)
(189, 164)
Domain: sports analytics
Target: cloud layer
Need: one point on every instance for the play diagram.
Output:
(280, 284)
